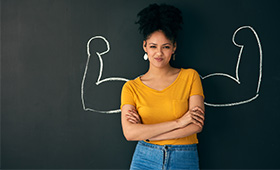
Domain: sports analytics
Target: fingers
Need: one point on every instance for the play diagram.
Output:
(198, 116)
(198, 121)
(133, 117)
(133, 121)
(197, 108)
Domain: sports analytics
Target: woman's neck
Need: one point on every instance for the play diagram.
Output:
(156, 72)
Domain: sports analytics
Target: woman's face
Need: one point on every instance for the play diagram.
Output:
(159, 49)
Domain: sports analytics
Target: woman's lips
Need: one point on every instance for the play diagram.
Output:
(158, 59)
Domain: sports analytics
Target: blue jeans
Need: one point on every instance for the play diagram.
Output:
(164, 157)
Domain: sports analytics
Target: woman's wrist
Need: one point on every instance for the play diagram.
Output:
(179, 123)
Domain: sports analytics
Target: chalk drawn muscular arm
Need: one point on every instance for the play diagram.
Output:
(97, 57)
(236, 78)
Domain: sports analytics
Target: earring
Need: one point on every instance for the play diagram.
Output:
(174, 56)
(146, 56)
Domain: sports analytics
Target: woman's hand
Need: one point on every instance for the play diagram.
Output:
(195, 116)
(133, 117)
(198, 116)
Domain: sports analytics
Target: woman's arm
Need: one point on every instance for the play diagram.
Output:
(191, 123)
(197, 101)
(178, 133)
(134, 131)
(194, 102)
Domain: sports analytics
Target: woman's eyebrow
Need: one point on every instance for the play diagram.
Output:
(167, 44)
(162, 44)
(152, 43)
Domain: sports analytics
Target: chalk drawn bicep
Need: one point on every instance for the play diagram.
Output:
(236, 78)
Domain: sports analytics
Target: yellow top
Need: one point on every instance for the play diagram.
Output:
(169, 104)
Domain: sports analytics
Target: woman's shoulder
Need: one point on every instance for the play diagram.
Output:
(189, 71)
(189, 74)
(132, 83)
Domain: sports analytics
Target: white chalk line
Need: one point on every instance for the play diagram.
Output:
(232, 104)
(99, 81)
(236, 78)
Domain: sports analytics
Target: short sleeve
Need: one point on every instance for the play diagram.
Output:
(127, 96)
(196, 88)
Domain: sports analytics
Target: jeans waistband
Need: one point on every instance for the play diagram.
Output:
(192, 147)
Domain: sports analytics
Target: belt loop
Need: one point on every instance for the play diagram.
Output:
(165, 157)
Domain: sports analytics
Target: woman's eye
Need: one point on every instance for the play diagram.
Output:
(152, 46)
(167, 47)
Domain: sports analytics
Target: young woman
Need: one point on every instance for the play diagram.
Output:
(164, 108)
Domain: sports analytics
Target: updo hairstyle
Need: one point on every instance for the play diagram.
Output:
(162, 17)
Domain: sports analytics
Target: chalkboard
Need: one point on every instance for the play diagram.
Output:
(63, 63)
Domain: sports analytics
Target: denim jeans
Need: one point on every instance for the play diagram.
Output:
(164, 157)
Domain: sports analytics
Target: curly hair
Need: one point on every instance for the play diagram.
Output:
(162, 17)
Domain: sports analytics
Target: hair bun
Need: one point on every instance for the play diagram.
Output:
(160, 17)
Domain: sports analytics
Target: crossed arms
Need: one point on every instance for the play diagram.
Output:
(190, 123)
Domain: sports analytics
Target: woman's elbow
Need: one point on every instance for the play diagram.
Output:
(129, 136)
(133, 136)
(198, 129)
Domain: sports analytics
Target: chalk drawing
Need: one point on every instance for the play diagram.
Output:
(99, 80)
(234, 78)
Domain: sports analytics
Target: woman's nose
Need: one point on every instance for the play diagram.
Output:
(159, 51)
